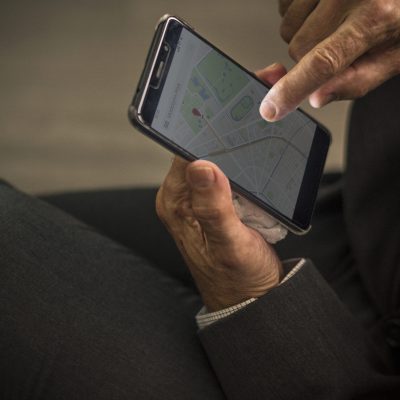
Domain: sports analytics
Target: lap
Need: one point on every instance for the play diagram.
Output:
(83, 317)
(128, 217)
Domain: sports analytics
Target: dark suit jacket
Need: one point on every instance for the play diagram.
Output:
(333, 330)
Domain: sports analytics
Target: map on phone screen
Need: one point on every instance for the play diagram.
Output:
(210, 107)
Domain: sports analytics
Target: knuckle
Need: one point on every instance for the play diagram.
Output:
(168, 208)
(208, 213)
(160, 209)
(326, 62)
(384, 10)
(379, 18)
(167, 185)
(363, 30)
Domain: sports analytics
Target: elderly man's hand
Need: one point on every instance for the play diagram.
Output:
(344, 49)
(229, 261)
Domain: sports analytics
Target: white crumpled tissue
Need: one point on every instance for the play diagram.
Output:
(254, 217)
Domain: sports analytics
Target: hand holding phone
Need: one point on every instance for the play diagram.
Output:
(200, 104)
(229, 261)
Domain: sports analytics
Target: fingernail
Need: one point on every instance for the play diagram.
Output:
(268, 110)
(272, 66)
(201, 177)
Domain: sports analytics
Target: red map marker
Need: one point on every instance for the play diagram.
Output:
(196, 112)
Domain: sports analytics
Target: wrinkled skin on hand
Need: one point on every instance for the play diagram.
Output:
(229, 261)
(344, 49)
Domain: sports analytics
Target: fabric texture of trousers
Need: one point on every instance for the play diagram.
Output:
(96, 303)
(82, 317)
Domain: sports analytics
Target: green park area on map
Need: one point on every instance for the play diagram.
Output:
(224, 79)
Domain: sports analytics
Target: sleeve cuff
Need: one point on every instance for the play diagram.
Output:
(204, 318)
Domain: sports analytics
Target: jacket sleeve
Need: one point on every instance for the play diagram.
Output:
(297, 342)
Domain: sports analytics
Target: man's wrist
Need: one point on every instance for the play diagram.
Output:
(205, 317)
(237, 290)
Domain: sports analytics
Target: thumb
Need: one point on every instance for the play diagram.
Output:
(211, 199)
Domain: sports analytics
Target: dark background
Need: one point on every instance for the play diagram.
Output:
(69, 69)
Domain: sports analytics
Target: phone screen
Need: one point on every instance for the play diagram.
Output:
(209, 106)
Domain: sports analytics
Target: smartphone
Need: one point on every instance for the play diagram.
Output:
(200, 104)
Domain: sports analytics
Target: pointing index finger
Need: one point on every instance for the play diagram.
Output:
(323, 62)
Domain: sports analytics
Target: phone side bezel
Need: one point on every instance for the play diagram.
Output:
(137, 120)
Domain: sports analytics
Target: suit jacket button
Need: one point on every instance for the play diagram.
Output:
(392, 333)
